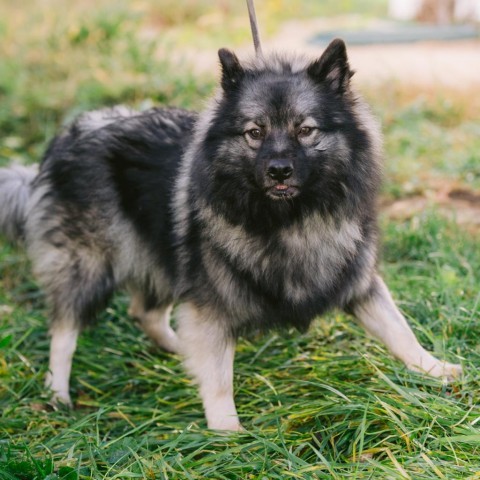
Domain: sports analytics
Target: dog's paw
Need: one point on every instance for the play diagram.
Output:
(450, 371)
(59, 398)
(61, 401)
(226, 424)
(440, 369)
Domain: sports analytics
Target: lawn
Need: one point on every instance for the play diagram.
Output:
(330, 403)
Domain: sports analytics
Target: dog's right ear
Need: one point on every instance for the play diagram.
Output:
(232, 71)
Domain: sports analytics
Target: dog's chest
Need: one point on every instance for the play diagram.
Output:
(294, 264)
(314, 253)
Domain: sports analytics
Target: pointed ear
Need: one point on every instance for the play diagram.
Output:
(332, 67)
(232, 71)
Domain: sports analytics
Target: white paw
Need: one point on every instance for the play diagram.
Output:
(440, 369)
(59, 397)
(229, 424)
(61, 400)
(449, 371)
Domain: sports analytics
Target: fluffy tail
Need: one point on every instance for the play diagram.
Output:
(15, 187)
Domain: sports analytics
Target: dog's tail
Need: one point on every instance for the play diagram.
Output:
(15, 188)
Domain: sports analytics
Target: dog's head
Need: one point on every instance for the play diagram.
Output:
(288, 130)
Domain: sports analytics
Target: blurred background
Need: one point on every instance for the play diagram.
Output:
(417, 62)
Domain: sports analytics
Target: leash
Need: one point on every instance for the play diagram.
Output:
(254, 28)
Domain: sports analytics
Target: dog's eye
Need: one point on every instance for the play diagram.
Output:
(304, 131)
(255, 133)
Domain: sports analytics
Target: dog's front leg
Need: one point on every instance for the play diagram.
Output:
(382, 319)
(208, 352)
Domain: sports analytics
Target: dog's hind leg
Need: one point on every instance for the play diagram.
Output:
(209, 354)
(62, 347)
(155, 322)
(74, 305)
(382, 319)
(78, 282)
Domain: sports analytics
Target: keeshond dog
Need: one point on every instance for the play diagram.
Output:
(259, 213)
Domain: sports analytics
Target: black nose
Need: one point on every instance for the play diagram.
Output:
(279, 169)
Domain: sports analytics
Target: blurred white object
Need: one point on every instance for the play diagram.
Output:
(404, 9)
(467, 10)
(437, 11)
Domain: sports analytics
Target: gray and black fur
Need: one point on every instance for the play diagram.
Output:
(263, 217)
(100, 215)
(280, 258)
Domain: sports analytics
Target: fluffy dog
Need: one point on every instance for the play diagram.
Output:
(263, 217)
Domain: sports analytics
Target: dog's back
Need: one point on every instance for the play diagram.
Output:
(91, 216)
(97, 216)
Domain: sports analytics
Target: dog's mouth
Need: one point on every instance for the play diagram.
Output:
(282, 191)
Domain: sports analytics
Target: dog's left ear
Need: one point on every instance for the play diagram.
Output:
(332, 67)
(232, 71)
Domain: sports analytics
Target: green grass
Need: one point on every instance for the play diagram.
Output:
(327, 404)
(430, 141)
